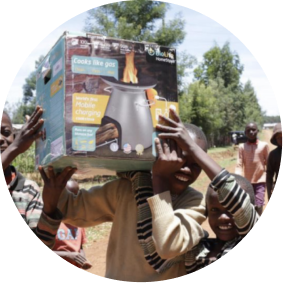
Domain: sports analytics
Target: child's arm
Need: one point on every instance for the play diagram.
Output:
(176, 131)
(51, 217)
(236, 201)
(24, 139)
(77, 257)
(166, 230)
(93, 206)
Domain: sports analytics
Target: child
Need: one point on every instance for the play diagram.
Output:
(251, 163)
(274, 158)
(230, 210)
(229, 224)
(70, 239)
(177, 216)
(45, 219)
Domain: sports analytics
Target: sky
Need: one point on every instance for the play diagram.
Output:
(202, 34)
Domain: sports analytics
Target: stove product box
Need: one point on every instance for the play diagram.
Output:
(101, 98)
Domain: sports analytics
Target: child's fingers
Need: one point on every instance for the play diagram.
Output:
(168, 121)
(35, 117)
(43, 174)
(51, 175)
(166, 148)
(166, 129)
(63, 177)
(173, 146)
(158, 147)
(34, 112)
(68, 176)
(174, 116)
(37, 135)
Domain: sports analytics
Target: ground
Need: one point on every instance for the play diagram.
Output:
(96, 250)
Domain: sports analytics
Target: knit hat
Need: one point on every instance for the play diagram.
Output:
(277, 129)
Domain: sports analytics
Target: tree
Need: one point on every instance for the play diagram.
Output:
(136, 20)
(220, 63)
(20, 110)
(142, 20)
(253, 111)
(30, 84)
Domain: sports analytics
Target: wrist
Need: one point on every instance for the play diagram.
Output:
(49, 210)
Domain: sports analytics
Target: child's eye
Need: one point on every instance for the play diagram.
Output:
(7, 133)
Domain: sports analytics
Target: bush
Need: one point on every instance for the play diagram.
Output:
(25, 162)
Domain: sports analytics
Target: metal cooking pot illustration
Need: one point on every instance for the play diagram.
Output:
(128, 109)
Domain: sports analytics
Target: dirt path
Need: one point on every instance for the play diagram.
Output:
(96, 251)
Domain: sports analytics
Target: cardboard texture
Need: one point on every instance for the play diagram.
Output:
(101, 98)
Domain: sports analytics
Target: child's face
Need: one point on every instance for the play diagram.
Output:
(278, 138)
(251, 131)
(187, 175)
(220, 220)
(7, 136)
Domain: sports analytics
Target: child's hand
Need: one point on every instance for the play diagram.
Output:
(174, 129)
(53, 187)
(169, 161)
(29, 132)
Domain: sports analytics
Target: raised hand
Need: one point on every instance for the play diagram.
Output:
(30, 131)
(174, 129)
(169, 161)
(54, 184)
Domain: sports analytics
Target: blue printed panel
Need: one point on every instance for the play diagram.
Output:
(95, 66)
(84, 138)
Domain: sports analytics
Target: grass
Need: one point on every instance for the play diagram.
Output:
(98, 232)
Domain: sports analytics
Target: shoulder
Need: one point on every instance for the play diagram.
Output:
(118, 184)
(191, 197)
(31, 187)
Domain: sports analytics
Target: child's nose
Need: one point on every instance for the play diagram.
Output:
(224, 216)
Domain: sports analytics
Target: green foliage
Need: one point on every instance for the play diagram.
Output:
(30, 84)
(220, 63)
(139, 20)
(218, 109)
(253, 112)
(25, 162)
(20, 111)
(142, 20)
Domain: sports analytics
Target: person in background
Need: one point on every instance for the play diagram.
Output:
(252, 162)
(274, 158)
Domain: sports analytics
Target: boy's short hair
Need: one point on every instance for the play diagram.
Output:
(245, 185)
(248, 124)
(197, 132)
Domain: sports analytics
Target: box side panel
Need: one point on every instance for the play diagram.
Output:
(107, 115)
(50, 92)
(100, 166)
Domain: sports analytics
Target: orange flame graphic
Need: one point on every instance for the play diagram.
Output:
(130, 71)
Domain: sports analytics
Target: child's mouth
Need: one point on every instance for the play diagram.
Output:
(225, 227)
(182, 177)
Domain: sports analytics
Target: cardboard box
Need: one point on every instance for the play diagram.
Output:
(101, 98)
